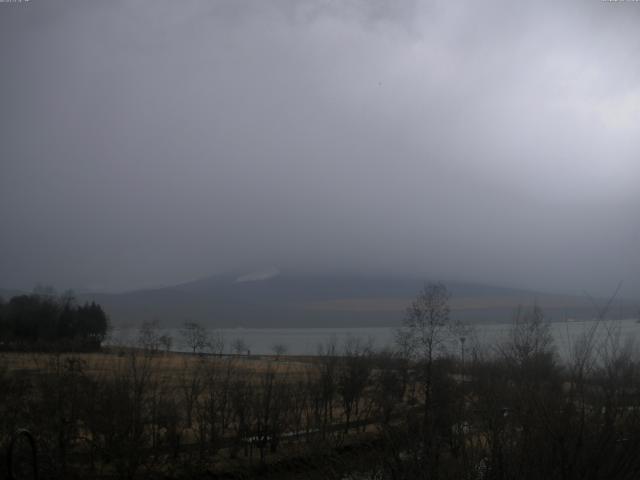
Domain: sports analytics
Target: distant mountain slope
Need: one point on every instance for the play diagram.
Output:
(274, 299)
(6, 293)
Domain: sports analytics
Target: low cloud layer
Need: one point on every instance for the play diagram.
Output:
(150, 142)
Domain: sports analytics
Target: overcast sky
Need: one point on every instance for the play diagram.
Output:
(149, 142)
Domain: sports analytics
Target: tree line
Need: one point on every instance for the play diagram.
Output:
(46, 321)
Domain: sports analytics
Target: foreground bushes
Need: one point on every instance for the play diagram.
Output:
(514, 412)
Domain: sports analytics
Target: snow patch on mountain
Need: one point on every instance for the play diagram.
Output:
(258, 275)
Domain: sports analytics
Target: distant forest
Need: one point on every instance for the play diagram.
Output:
(45, 321)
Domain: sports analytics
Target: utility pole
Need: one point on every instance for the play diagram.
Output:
(462, 340)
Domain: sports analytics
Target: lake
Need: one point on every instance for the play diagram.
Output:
(305, 341)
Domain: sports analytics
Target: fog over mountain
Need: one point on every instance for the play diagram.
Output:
(152, 142)
(290, 299)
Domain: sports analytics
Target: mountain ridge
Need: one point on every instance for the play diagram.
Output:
(291, 299)
(280, 299)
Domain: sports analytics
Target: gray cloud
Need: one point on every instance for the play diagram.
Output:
(150, 142)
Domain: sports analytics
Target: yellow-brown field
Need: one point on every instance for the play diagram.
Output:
(166, 365)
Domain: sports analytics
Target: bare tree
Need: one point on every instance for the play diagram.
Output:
(166, 341)
(327, 379)
(239, 346)
(426, 327)
(149, 336)
(529, 338)
(216, 342)
(195, 336)
(191, 381)
(424, 335)
(354, 377)
(279, 349)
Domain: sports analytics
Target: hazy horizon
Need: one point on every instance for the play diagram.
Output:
(151, 143)
(352, 276)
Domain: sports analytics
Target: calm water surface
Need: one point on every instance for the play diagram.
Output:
(305, 341)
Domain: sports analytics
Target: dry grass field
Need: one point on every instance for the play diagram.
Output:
(167, 365)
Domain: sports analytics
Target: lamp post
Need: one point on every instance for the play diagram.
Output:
(462, 340)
